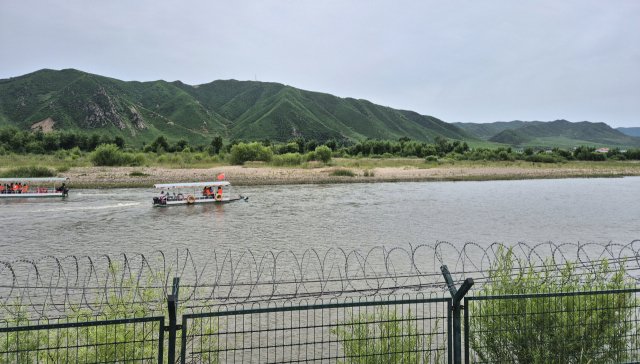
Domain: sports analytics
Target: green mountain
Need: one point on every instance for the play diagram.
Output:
(486, 131)
(630, 131)
(246, 110)
(510, 137)
(600, 133)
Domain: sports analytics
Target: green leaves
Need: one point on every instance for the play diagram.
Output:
(384, 336)
(550, 327)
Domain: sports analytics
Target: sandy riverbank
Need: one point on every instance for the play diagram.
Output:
(261, 175)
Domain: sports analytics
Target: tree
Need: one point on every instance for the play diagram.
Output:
(404, 139)
(311, 145)
(266, 142)
(332, 145)
(216, 144)
(323, 154)
(94, 141)
(51, 141)
(119, 141)
(105, 139)
(181, 144)
(291, 148)
(528, 151)
(160, 142)
(300, 142)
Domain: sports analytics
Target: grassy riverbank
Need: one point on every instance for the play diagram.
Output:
(342, 170)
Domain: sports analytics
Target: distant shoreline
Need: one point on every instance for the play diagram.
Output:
(256, 175)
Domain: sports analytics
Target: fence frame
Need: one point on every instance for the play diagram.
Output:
(186, 317)
(68, 325)
(468, 300)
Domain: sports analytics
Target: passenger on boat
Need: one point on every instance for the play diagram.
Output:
(61, 188)
(220, 191)
(163, 198)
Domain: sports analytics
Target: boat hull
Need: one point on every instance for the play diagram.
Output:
(33, 195)
(200, 201)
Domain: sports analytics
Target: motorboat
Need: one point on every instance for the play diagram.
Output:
(195, 193)
(19, 187)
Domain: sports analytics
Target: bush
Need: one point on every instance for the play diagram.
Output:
(241, 153)
(289, 159)
(343, 172)
(64, 168)
(106, 155)
(589, 327)
(141, 297)
(386, 337)
(137, 174)
(140, 159)
(323, 154)
(431, 158)
(28, 172)
(311, 156)
(197, 157)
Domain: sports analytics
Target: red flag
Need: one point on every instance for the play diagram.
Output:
(221, 176)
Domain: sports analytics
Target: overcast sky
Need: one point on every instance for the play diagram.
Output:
(472, 61)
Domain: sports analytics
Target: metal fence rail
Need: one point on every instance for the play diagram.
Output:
(410, 330)
(557, 327)
(128, 340)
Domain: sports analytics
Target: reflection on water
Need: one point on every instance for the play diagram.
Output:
(353, 216)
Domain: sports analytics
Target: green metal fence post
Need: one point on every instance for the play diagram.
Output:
(172, 301)
(457, 296)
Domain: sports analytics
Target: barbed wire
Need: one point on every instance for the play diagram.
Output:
(52, 285)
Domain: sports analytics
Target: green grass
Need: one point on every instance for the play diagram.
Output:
(28, 172)
(137, 174)
(343, 172)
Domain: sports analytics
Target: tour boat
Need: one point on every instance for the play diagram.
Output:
(201, 192)
(31, 187)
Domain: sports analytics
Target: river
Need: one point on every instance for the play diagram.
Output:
(350, 216)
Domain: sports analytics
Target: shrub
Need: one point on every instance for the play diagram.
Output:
(595, 327)
(311, 156)
(162, 159)
(241, 153)
(137, 174)
(139, 159)
(142, 297)
(386, 337)
(431, 158)
(197, 157)
(323, 154)
(289, 159)
(28, 172)
(106, 155)
(64, 168)
(343, 172)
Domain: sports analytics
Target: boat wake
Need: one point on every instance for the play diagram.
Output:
(118, 205)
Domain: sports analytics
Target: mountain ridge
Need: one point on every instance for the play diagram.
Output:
(245, 110)
(584, 131)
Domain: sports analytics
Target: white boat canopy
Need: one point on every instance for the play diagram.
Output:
(19, 179)
(195, 184)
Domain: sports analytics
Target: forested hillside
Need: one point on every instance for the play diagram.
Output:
(138, 112)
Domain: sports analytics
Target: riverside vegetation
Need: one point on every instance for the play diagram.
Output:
(65, 150)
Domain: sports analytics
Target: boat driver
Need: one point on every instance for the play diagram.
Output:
(162, 198)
